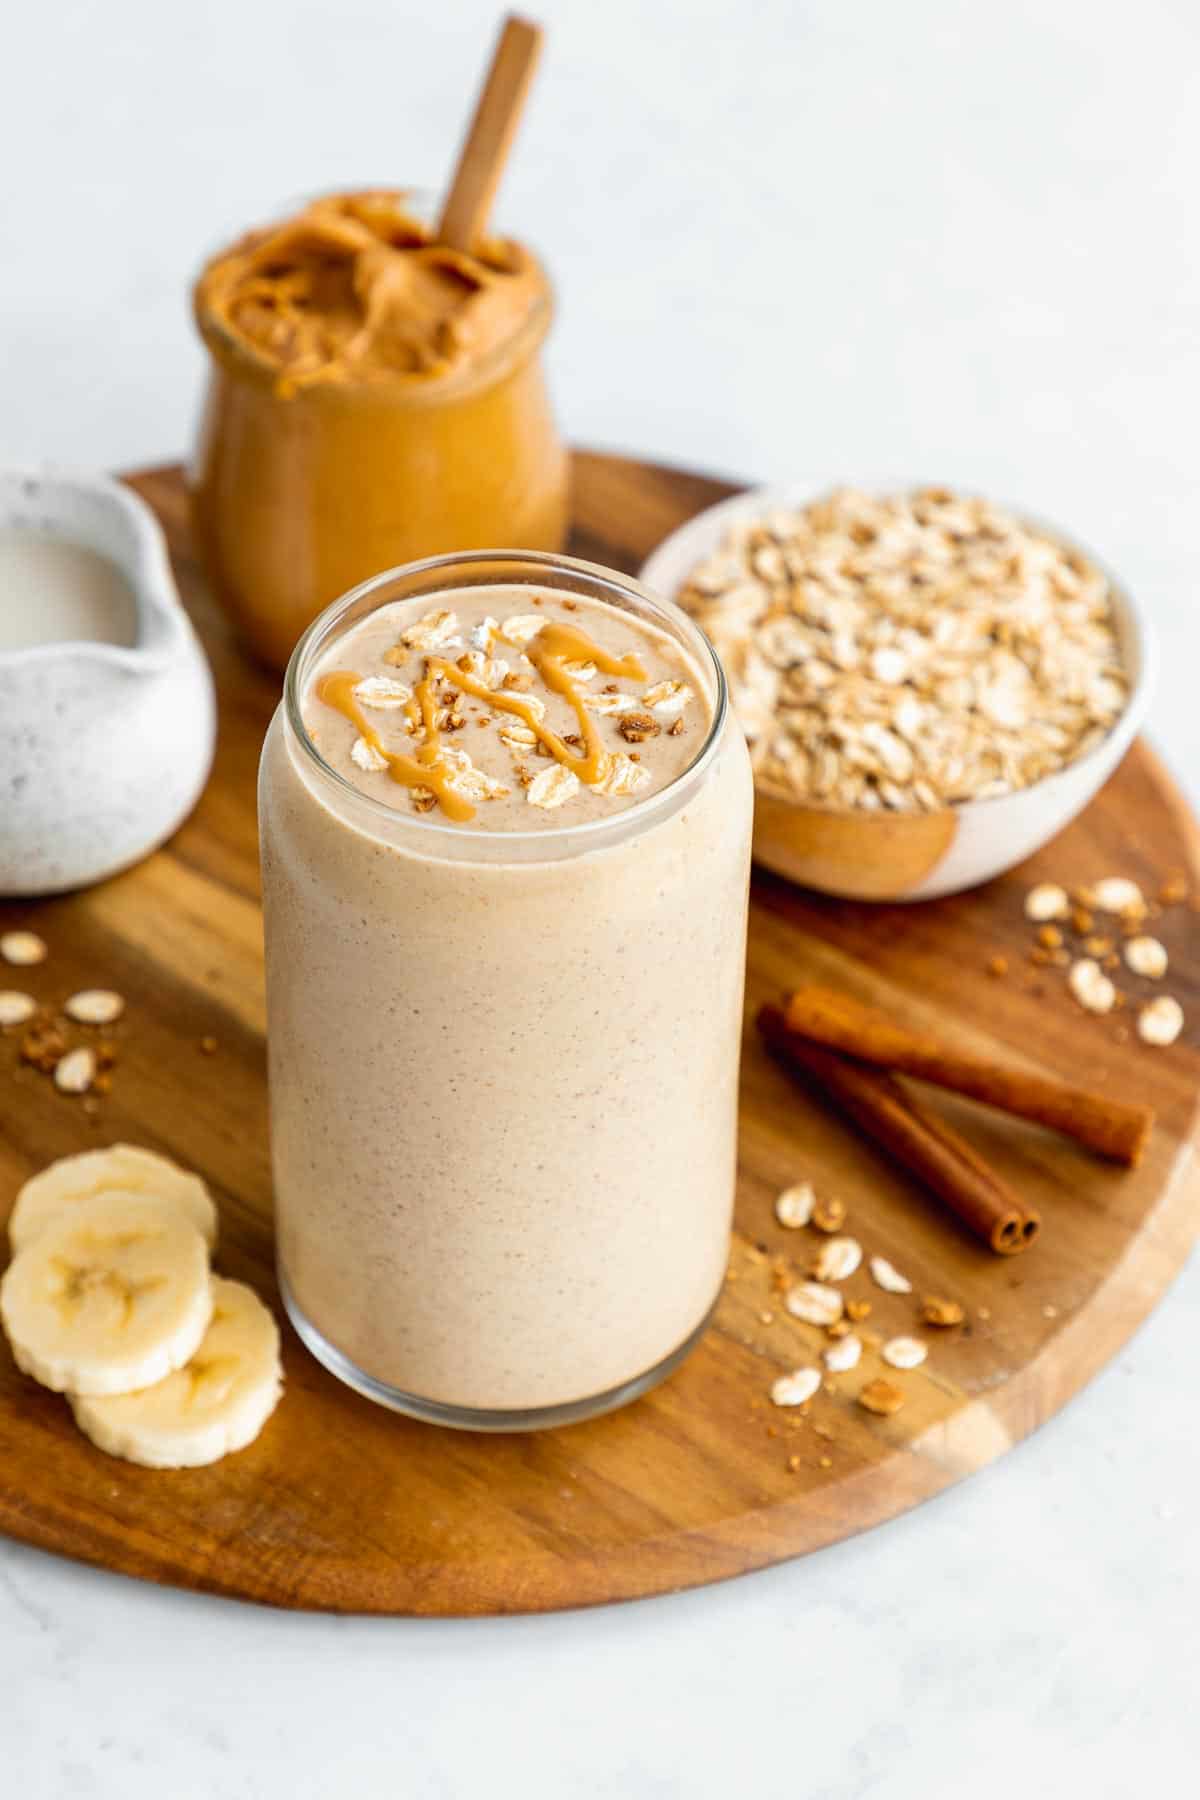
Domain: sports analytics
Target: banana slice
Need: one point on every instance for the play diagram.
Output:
(53, 1193)
(217, 1402)
(110, 1298)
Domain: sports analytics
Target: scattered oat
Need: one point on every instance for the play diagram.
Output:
(76, 1071)
(1049, 1311)
(520, 629)
(22, 948)
(829, 1214)
(517, 735)
(1161, 1021)
(837, 1259)
(15, 1008)
(936, 1311)
(436, 631)
(94, 1006)
(1091, 986)
(667, 698)
(366, 756)
(794, 1206)
(904, 1352)
(887, 1276)
(580, 671)
(382, 693)
(1116, 894)
(620, 775)
(610, 703)
(796, 1388)
(468, 780)
(1146, 956)
(882, 1396)
(815, 1304)
(843, 1355)
(1046, 902)
(553, 787)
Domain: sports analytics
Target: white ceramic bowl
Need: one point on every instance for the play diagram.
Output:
(914, 856)
(103, 749)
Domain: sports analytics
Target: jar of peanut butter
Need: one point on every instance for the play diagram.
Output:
(374, 398)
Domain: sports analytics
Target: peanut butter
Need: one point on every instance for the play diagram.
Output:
(353, 290)
(374, 398)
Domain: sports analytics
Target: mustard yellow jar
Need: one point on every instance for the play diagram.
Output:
(373, 398)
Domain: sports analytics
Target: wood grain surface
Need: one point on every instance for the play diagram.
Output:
(344, 1506)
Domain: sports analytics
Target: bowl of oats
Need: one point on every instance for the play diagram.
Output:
(932, 684)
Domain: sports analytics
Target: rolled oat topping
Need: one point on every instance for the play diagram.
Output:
(909, 653)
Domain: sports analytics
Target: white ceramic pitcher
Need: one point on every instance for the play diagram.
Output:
(103, 749)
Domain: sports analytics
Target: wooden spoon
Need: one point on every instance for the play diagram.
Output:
(488, 141)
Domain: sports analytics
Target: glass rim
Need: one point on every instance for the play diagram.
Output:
(593, 831)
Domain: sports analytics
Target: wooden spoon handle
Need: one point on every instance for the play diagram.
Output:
(488, 141)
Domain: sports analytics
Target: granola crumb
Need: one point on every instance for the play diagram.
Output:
(997, 965)
(208, 1046)
(881, 1396)
(829, 1214)
(943, 1313)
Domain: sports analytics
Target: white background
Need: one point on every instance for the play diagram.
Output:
(938, 239)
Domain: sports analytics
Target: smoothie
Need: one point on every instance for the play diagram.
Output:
(505, 836)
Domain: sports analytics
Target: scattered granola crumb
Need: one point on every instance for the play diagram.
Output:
(825, 1462)
(1161, 1021)
(829, 1214)
(882, 1396)
(1049, 936)
(1049, 1311)
(22, 949)
(858, 1310)
(997, 965)
(208, 1046)
(936, 1311)
(1081, 921)
(636, 727)
(1173, 890)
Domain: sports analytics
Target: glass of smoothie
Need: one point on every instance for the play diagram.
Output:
(373, 397)
(505, 825)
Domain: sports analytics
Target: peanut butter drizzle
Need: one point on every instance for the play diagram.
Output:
(554, 646)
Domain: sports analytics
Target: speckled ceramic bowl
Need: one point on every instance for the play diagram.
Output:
(103, 749)
(914, 856)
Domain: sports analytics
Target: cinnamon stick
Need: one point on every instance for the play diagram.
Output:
(1111, 1127)
(923, 1144)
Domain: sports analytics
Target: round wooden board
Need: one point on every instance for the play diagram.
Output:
(340, 1505)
